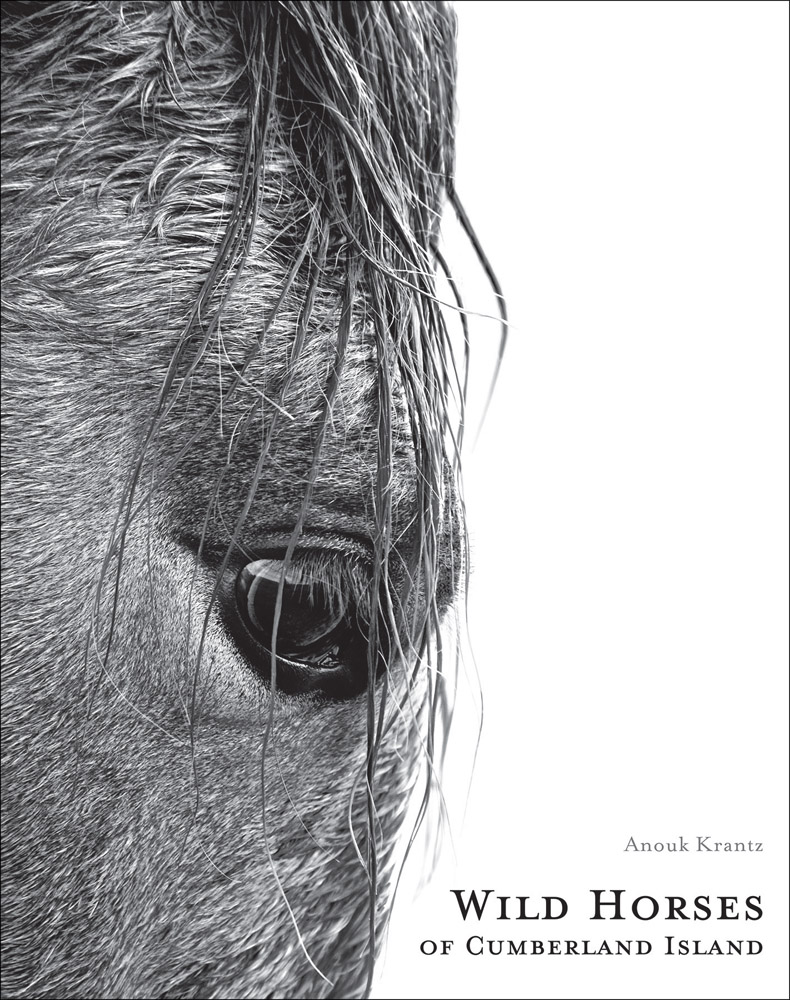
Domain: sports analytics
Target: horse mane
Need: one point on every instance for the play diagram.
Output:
(355, 101)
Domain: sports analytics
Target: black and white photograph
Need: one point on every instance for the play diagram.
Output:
(395, 499)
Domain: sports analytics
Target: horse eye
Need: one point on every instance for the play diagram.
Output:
(310, 614)
(321, 640)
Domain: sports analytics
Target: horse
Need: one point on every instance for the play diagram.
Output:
(233, 531)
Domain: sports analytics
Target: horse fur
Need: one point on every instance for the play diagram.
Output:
(220, 333)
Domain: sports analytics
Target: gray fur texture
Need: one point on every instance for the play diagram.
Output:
(220, 337)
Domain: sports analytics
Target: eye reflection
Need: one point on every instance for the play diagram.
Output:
(312, 616)
(324, 644)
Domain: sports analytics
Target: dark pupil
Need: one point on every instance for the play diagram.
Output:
(309, 613)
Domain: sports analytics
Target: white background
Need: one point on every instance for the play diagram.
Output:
(625, 165)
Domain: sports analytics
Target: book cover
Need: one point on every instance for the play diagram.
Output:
(233, 526)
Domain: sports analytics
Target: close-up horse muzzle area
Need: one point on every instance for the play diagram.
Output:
(233, 517)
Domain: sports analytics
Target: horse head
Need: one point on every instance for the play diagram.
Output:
(234, 526)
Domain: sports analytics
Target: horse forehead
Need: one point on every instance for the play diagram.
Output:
(120, 272)
(124, 228)
(126, 204)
